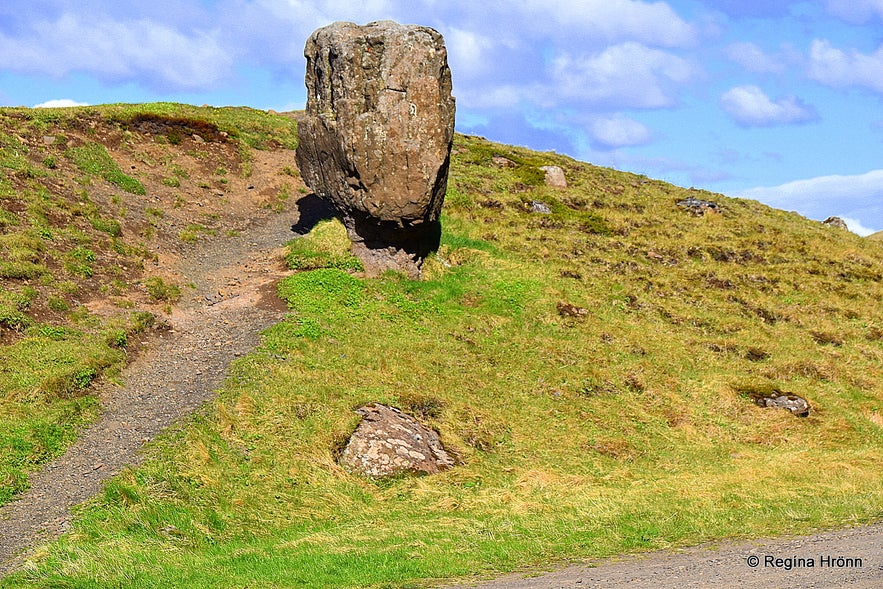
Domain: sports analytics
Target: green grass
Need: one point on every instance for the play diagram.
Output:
(93, 158)
(43, 380)
(618, 430)
(325, 247)
(253, 128)
(160, 290)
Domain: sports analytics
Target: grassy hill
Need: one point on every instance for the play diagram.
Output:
(877, 236)
(591, 369)
(95, 205)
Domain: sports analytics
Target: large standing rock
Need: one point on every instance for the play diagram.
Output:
(389, 443)
(376, 137)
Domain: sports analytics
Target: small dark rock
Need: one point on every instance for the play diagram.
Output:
(699, 207)
(571, 310)
(775, 398)
(539, 207)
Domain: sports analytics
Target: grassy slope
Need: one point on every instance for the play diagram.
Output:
(622, 429)
(76, 230)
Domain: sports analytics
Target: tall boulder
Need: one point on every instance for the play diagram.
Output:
(376, 136)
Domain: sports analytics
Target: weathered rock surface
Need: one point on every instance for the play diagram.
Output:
(836, 222)
(376, 136)
(698, 206)
(536, 206)
(554, 176)
(389, 442)
(502, 162)
(782, 400)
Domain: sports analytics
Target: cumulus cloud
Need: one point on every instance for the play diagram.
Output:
(856, 227)
(654, 23)
(60, 103)
(836, 67)
(753, 8)
(117, 50)
(468, 52)
(754, 59)
(627, 75)
(619, 131)
(849, 197)
(750, 107)
(856, 11)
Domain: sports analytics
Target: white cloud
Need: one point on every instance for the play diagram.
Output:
(856, 227)
(835, 67)
(118, 50)
(468, 52)
(60, 103)
(753, 8)
(856, 11)
(493, 96)
(858, 198)
(629, 75)
(753, 59)
(653, 23)
(619, 131)
(750, 107)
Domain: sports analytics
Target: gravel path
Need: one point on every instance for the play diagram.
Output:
(235, 298)
(850, 558)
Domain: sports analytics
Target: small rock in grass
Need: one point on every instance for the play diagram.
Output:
(554, 176)
(775, 398)
(502, 162)
(388, 443)
(699, 207)
(539, 207)
(571, 310)
(836, 222)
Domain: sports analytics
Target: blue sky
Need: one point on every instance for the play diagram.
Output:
(775, 100)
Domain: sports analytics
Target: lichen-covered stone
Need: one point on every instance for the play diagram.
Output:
(376, 136)
(388, 443)
(554, 176)
(836, 222)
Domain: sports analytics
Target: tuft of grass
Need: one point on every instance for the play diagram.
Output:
(160, 290)
(326, 246)
(94, 159)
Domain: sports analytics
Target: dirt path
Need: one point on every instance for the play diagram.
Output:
(848, 558)
(234, 299)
